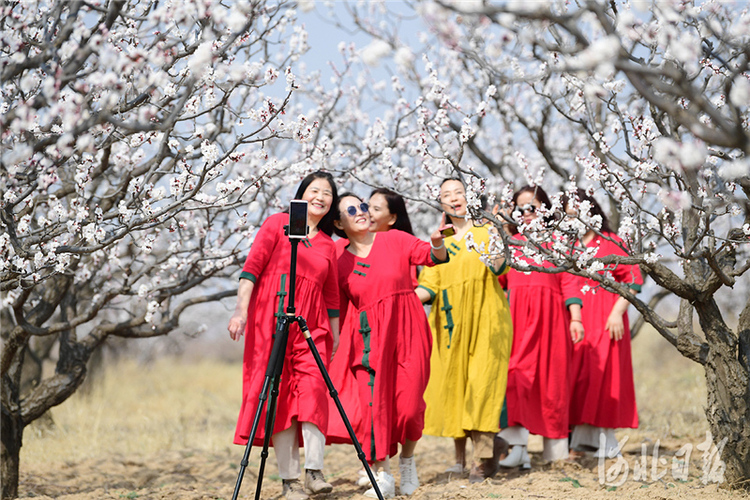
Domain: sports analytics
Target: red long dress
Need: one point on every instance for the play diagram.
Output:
(302, 391)
(603, 390)
(388, 359)
(539, 372)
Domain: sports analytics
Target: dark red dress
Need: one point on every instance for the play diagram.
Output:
(386, 365)
(603, 389)
(539, 372)
(302, 391)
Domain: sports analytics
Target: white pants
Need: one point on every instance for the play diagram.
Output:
(585, 435)
(286, 447)
(554, 449)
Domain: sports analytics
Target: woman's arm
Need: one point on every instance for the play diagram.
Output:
(424, 295)
(239, 319)
(615, 323)
(335, 330)
(576, 325)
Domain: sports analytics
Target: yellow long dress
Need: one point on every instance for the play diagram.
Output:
(472, 337)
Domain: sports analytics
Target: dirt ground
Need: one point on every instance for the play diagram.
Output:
(163, 429)
(193, 475)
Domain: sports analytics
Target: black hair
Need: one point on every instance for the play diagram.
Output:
(396, 206)
(540, 195)
(596, 209)
(326, 223)
(337, 213)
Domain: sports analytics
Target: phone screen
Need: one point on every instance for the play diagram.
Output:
(298, 219)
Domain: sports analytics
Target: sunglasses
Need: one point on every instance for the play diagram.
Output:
(352, 210)
(526, 208)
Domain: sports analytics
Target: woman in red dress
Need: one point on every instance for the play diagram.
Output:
(389, 359)
(387, 211)
(302, 408)
(546, 313)
(603, 397)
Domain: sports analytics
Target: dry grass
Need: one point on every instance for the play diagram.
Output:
(171, 405)
(168, 405)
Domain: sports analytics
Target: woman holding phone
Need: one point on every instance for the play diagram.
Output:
(472, 335)
(390, 340)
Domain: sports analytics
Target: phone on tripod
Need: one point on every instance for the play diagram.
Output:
(298, 228)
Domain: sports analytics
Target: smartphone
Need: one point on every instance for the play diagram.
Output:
(298, 219)
(448, 231)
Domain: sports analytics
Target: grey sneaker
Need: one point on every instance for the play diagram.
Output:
(293, 490)
(315, 482)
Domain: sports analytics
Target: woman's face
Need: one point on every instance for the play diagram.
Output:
(357, 222)
(453, 198)
(527, 206)
(319, 196)
(381, 218)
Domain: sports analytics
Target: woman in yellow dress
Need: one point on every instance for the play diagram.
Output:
(472, 336)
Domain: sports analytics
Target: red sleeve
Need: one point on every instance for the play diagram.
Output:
(419, 252)
(262, 248)
(331, 285)
(623, 273)
(503, 280)
(571, 288)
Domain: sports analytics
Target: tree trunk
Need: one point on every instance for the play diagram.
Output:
(728, 414)
(11, 452)
(12, 431)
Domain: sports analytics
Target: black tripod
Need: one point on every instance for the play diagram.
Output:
(271, 383)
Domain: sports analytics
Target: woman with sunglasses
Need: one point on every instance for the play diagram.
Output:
(546, 311)
(390, 340)
(603, 397)
(472, 334)
(302, 408)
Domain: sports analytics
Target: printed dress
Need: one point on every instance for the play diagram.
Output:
(302, 391)
(472, 335)
(539, 375)
(603, 390)
(387, 348)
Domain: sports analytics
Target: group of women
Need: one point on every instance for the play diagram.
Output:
(464, 372)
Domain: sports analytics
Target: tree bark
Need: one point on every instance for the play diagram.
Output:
(728, 398)
(12, 428)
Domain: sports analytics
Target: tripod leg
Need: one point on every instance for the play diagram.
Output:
(335, 395)
(270, 385)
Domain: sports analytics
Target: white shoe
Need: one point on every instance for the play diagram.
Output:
(408, 470)
(518, 457)
(386, 485)
(363, 480)
(455, 469)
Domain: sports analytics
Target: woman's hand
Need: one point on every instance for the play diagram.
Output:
(237, 326)
(615, 325)
(576, 330)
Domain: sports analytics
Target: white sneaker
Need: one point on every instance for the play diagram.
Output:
(409, 481)
(455, 469)
(363, 480)
(518, 457)
(386, 485)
